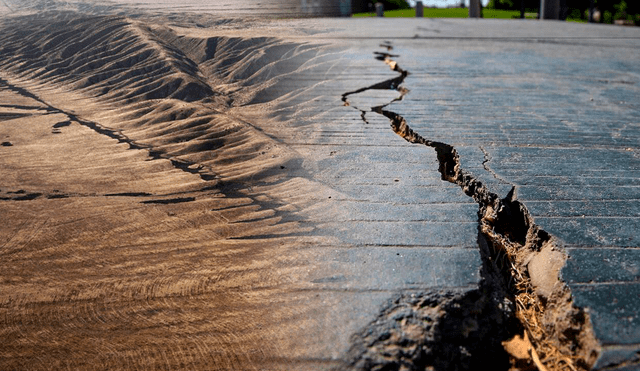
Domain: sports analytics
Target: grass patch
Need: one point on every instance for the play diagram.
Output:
(447, 13)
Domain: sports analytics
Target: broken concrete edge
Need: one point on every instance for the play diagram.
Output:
(521, 272)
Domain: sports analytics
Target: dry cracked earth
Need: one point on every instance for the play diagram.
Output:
(201, 191)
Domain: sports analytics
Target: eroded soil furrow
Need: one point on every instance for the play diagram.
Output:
(522, 307)
(190, 167)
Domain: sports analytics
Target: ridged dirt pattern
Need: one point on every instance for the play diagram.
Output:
(159, 86)
(145, 227)
(521, 260)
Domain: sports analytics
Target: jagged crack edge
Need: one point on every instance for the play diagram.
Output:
(502, 222)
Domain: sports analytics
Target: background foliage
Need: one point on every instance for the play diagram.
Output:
(610, 10)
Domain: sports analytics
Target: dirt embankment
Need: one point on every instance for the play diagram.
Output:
(145, 226)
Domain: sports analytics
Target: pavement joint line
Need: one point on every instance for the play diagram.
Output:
(386, 246)
(604, 247)
(369, 290)
(581, 200)
(512, 243)
(590, 217)
(417, 246)
(338, 221)
(607, 283)
(374, 37)
(622, 346)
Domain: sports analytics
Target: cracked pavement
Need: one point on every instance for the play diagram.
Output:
(356, 226)
(536, 111)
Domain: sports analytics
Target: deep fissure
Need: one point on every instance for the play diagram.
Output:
(513, 311)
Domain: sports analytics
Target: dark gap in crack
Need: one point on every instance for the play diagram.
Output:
(511, 299)
(447, 155)
(387, 45)
(381, 56)
(390, 84)
(363, 116)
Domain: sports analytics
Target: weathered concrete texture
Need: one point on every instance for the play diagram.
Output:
(558, 119)
(394, 268)
(550, 108)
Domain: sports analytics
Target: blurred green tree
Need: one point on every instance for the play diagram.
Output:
(618, 9)
(610, 10)
(395, 4)
(513, 4)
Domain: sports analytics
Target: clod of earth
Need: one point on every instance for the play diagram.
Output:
(522, 316)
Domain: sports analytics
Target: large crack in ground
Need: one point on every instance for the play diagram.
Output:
(521, 317)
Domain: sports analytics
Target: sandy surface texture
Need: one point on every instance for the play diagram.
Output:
(183, 189)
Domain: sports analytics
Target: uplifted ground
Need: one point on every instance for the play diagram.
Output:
(189, 191)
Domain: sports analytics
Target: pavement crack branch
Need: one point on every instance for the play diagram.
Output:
(522, 307)
(485, 165)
